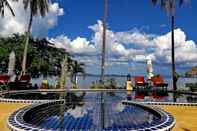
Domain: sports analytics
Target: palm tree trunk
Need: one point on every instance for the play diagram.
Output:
(62, 86)
(75, 81)
(103, 63)
(174, 79)
(104, 41)
(26, 44)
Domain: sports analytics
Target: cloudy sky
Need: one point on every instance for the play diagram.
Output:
(136, 31)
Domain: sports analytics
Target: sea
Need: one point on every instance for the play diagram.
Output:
(85, 82)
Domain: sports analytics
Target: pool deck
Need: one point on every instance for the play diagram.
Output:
(186, 116)
(5, 110)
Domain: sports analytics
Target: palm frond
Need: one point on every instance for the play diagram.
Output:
(37, 7)
(183, 2)
(154, 2)
(163, 4)
(25, 4)
(170, 5)
(5, 4)
(44, 8)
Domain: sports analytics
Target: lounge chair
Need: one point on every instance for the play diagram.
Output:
(159, 87)
(25, 78)
(141, 87)
(139, 95)
(4, 79)
(140, 81)
(158, 81)
(24, 82)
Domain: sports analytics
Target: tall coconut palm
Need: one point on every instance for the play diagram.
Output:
(170, 7)
(64, 70)
(104, 40)
(5, 4)
(36, 7)
(103, 61)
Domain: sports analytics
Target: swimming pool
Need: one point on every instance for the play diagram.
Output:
(39, 95)
(91, 111)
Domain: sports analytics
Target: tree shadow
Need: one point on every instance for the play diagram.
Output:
(185, 129)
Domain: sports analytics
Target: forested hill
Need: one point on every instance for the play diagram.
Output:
(42, 58)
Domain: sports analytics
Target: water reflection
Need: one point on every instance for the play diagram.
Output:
(120, 81)
(77, 112)
(79, 100)
(83, 112)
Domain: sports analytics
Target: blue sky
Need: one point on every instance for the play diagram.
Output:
(137, 30)
(123, 15)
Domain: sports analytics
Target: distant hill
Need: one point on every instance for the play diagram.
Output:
(107, 75)
(192, 72)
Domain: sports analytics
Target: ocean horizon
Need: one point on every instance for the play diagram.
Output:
(85, 82)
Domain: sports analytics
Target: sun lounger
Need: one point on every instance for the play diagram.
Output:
(159, 87)
(140, 81)
(25, 79)
(158, 81)
(4, 79)
(139, 95)
(24, 82)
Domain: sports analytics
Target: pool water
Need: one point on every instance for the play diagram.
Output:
(92, 112)
(136, 96)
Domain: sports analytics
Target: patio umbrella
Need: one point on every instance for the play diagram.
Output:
(11, 64)
(149, 68)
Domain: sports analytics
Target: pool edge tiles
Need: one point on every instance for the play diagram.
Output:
(166, 125)
(16, 120)
(25, 101)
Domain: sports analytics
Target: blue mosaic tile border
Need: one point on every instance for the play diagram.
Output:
(17, 123)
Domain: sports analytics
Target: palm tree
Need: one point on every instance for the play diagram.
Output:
(103, 60)
(104, 41)
(64, 70)
(76, 68)
(37, 7)
(3, 5)
(170, 7)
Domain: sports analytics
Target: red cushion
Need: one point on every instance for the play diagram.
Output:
(157, 80)
(4, 78)
(25, 78)
(139, 79)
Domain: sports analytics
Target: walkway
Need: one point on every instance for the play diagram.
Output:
(5, 110)
(186, 117)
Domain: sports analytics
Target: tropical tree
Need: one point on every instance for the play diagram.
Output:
(36, 7)
(170, 7)
(5, 4)
(76, 67)
(43, 57)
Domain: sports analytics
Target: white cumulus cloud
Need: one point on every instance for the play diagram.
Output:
(78, 45)
(185, 50)
(18, 24)
(133, 45)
